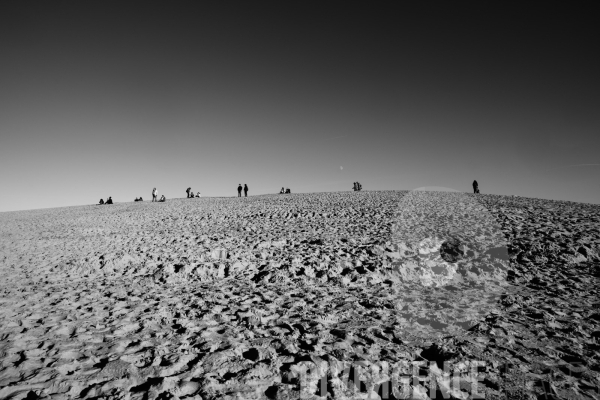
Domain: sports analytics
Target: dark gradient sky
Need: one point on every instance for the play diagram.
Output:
(114, 98)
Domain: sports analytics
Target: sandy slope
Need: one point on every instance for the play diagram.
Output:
(216, 298)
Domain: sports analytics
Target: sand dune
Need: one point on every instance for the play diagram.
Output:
(237, 297)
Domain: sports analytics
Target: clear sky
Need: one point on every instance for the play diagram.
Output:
(103, 99)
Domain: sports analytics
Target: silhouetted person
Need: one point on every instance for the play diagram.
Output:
(198, 194)
(355, 186)
(359, 186)
(475, 187)
(239, 190)
(288, 190)
(101, 201)
(141, 198)
(136, 199)
(154, 195)
(109, 201)
(245, 190)
(188, 190)
(162, 199)
(282, 191)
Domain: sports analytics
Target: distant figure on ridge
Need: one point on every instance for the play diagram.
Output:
(282, 191)
(239, 190)
(188, 190)
(154, 195)
(288, 190)
(109, 201)
(141, 198)
(162, 199)
(475, 187)
(101, 202)
(198, 194)
(245, 190)
(136, 199)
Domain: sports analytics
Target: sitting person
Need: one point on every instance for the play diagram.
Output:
(136, 199)
(162, 199)
(109, 201)
(101, 201)
(288, 190)
(141, 198)
(198, 194)
(282, 191)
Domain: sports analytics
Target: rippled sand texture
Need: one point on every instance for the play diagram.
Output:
(227, 297)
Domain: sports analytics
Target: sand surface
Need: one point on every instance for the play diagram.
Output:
(302, 295)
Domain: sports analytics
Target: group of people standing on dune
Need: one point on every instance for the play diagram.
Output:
(240, 190)
(283, 191)
(155, 196)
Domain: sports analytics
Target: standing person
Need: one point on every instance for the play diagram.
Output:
(239, 190)
(188, 190)
(475, 187)
(245, 190)
(154, 194)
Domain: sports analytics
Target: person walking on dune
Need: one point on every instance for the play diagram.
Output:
(154, 195)
(475, 187)
(239, 190)
(245, 190)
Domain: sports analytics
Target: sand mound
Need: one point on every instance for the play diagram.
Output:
(278, 296)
